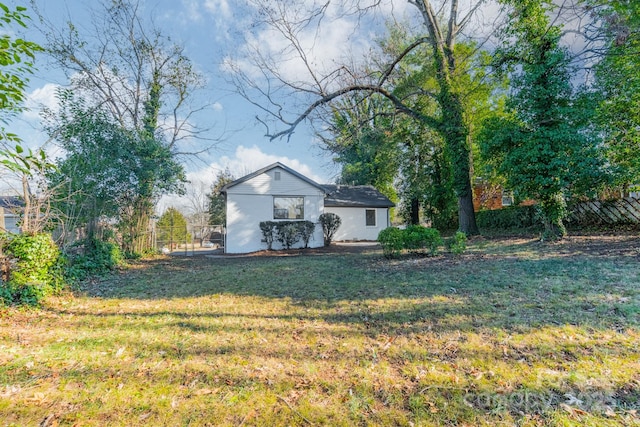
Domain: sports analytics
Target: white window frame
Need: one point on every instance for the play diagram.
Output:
(298, 215)
(507, 198)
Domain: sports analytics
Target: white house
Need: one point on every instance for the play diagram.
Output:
(10, 208)
(277, 192)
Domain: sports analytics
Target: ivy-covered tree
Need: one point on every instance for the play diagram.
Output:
(106, 170)
(542, 144)
(124, 66)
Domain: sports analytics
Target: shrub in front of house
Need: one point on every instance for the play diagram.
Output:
(268, 229)
(306, 232)
(33, 268)
(392, 241)
(330, 223)
(287, 233)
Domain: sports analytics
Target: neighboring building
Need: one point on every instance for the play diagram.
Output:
(277, 192)
(10, 208)
(491, 197)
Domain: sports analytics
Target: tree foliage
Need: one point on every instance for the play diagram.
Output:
(217, 201)
(617, 82)
(172, 227)
(17, 58)
(106, 169)
(542, 144)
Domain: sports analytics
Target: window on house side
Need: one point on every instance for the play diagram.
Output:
(276, 176)
(370, 216)
(288, 208)
(507, 198)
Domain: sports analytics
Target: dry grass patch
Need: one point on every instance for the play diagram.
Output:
(512, 333)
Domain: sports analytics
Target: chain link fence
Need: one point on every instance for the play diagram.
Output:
(189, 240)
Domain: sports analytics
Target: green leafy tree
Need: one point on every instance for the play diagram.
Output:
(541, 144)
(376, 146)
(217, 201)
(617, 82)
(106, 169)
(172, 227)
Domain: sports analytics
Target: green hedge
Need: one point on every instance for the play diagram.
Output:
(507, 218)
(288, 233)
(418, 239)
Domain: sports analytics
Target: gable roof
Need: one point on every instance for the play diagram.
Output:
(355, 196)
(267, 169)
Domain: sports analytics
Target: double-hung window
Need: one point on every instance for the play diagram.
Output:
(288, 207)
(370, 217)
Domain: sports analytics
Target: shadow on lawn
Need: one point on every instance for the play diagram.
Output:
(474, 291)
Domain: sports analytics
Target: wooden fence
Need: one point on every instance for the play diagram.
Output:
(609, 212)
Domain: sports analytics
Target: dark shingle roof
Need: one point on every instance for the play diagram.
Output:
(11, 202)
(355, 196)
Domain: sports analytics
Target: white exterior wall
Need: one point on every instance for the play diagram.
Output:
(251, 202)
(354, 226)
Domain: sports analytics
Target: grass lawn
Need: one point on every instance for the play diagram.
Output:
(514, 332)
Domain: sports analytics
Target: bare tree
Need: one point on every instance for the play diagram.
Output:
(128, 65)
(314, 86)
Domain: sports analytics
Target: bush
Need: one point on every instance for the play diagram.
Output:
(415, 238)
(92, 257)
(268, 229)
(511, 217)
(419, 239)
(392, 241)
(36, 267)
(306, 229)
(458, 243)
(287, 233)
(330, 224)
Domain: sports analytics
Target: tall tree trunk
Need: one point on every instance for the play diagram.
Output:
(415, 211)
(453, 127)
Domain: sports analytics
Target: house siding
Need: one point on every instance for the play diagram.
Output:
(251, 202)
(354, 226)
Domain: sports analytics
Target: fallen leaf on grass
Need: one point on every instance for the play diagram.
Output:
(571, 410)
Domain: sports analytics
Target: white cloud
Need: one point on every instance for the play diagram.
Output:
(218, 8)
(44, 96)
(217, 106)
